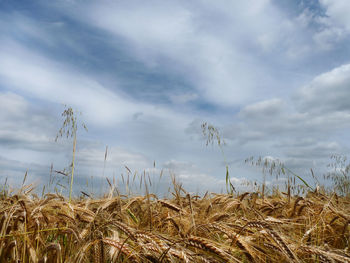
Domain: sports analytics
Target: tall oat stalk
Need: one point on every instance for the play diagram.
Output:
(69, 128)
(212, 134)
(339, 174)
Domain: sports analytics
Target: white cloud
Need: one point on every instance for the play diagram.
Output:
(217, 58)
(193, 180)
(14, 171)
(263, 109)
(303, 132)
(12, 105)
(19, 25)
(183, 98)
(328, 92)
(22, 126)
(35, 75)
(31, 73)
(325, 34)
(91, 156)
(338, 11)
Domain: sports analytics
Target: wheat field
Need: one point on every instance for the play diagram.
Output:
(183, 228)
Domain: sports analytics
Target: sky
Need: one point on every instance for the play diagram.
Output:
(272, 76)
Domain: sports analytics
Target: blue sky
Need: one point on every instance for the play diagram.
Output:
(272, 76)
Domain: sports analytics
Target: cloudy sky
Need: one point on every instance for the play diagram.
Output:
(273, 76)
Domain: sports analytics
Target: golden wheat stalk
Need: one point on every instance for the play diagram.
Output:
(99, 252)
(242, 242)
(326, 255)
(129, 231)
(122, 248)
(208, 246)
(170, 205)
(152, 238)
(276, 237)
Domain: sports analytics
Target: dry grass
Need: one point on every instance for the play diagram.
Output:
(213, 228)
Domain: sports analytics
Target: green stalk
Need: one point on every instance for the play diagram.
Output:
(72, 176)
(301, 179)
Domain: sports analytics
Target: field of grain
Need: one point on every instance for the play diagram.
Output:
(184, 228)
